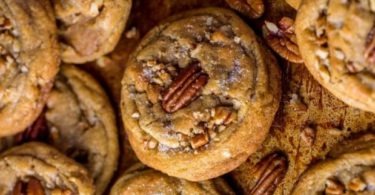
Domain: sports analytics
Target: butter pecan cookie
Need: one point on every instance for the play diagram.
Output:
(199, 94)
(89, 29)
(35, 168)
(337, 42)
(350, 171)
(28, 61)
(134, 180)
(309, 123)
(79, 121)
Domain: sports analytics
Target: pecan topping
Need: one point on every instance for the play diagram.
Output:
(357, 184)
(268, 174)
(370, 47)
(5, 24)
(334, 187)
(282, 39)
(32, 187)
(250, 8)
(308, 135)
(199, 140)
(38, 131)
(185, 88)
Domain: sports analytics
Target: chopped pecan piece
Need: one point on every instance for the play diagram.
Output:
(308, 135)
(250, 8)
(282, 39)
(224, 115)
(334, 187)
(32, 187)
(38, 131)
(185, 88)
(370, 47)
(199, 140)
(357, 184)
(268, 173)
(5, 24)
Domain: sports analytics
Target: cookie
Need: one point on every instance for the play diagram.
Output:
(351, 172)
(137, 177)
(199, 94)
(79, 121)
(89, 29)
(35, 168)
(338, 43)
(309, 123)
(28, 61)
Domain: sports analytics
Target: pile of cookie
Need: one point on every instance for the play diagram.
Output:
(187, 97)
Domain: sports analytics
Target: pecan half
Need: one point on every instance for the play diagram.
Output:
(185, 88)
(32, 187)
(282, 39)
(268, 173)
(370, 47)
(250, 8)
(38, 131)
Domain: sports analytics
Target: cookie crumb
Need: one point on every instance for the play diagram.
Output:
(237, 39)
(135, 115)
(130, 34)
(226, 154)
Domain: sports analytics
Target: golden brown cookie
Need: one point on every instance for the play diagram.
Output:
(35, 168)
(140, 180)
(350, 172)
(89, 29)
(197, 101)
(309, 123)
(79, 121)
(28, 61)
(337, 42)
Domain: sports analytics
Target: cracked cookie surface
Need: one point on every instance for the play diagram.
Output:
(89, 29)
(28, 61)
(338, 46)
(36, 168)
(199, 95)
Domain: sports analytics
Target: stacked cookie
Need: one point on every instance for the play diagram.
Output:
(201, 97)
(61, 105)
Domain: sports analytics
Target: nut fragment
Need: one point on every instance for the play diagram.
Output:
(268, 173)
(32, 187)
(223, 115)
(38, 131)
(282, 39)
(250, 8)
(370, 47)
(5, 24)
(185, 88)
(357, 184)
(308, 135)
(199, 140)
(334, 187)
